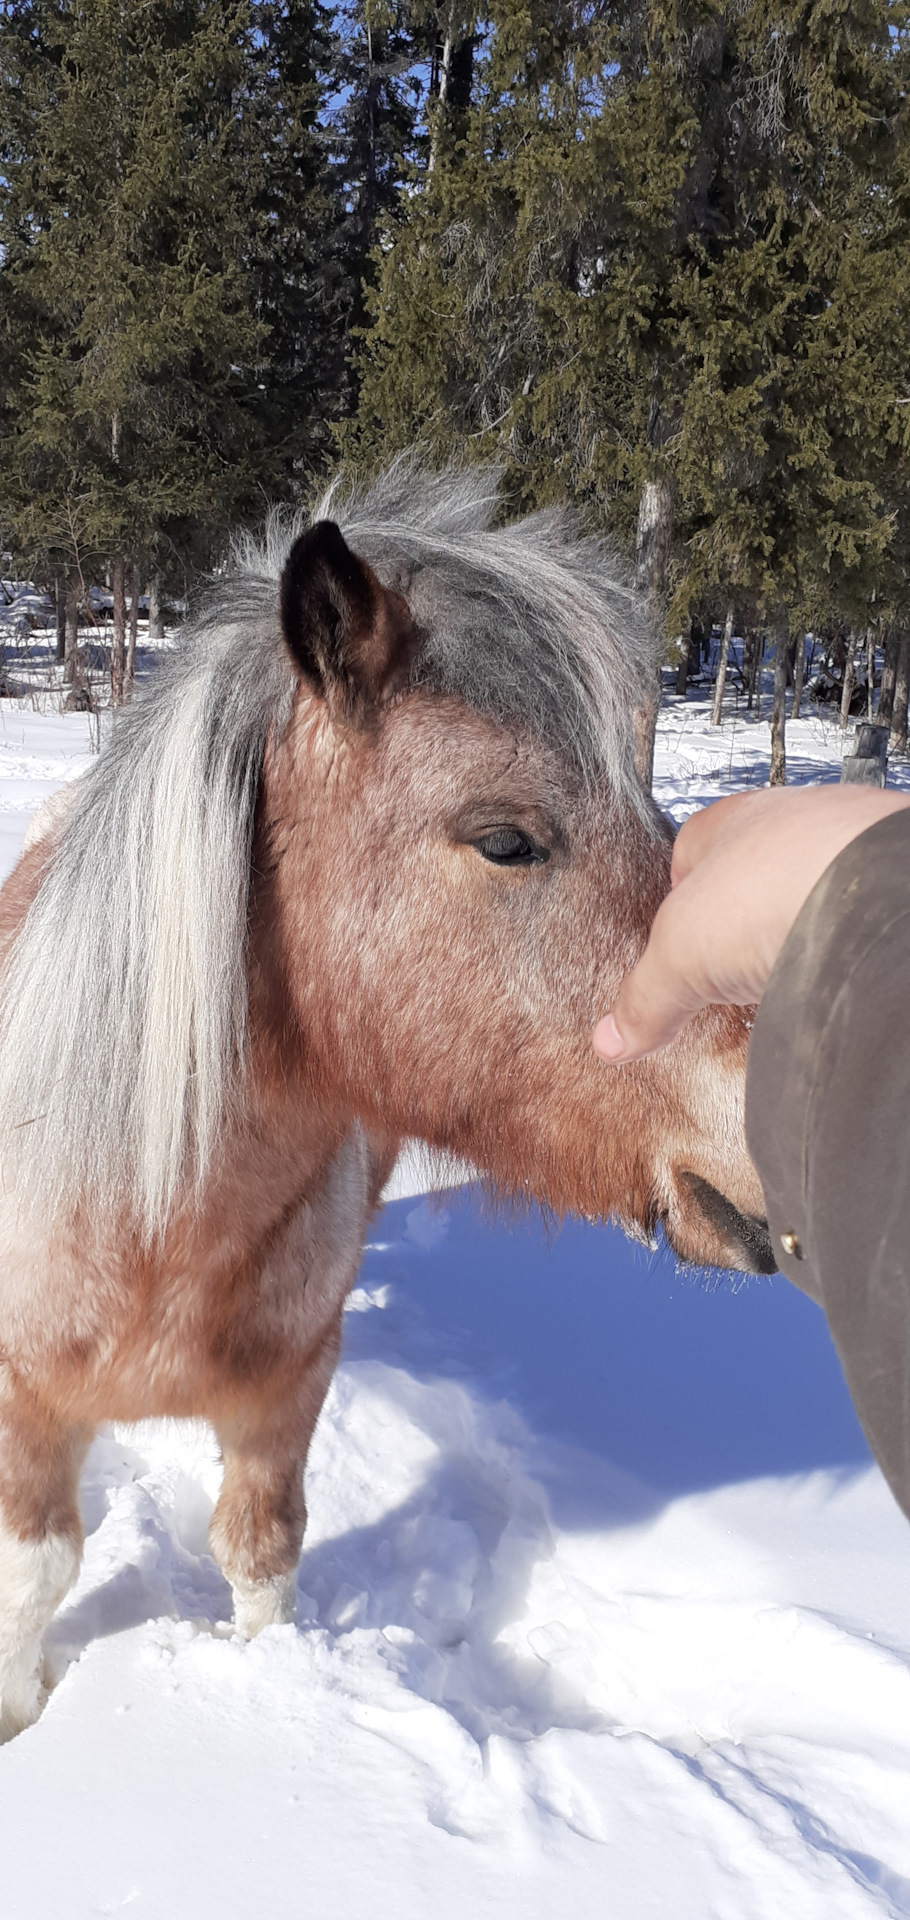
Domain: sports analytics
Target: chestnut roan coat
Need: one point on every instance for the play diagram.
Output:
(365, 861)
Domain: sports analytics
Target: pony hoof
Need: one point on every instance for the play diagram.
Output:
(264, 1603)
(20, 1709)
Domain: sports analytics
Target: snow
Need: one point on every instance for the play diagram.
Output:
(39, 752)
(603, 1608)
(695, 763)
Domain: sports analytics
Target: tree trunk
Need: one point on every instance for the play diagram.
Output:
(156, 629)
(749, 645)
(849, 683)
(778, 774)
(870, 671)
(444, 71)
(722, 659)
(756, 654)
(71, 673)
(652, 559)
(60, 613)
(690, 656)
(130, 674)
(889, 671)
(653, 538)
(118, 636)
(898, 740)
(451, 80)
(799, 676)
(682, 671)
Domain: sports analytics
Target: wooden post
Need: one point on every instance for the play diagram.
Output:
(867, 765)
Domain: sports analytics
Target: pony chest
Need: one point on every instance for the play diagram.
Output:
(221, 1315)
(211, 1333)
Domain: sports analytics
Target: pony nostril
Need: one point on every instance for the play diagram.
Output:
(746, 1234)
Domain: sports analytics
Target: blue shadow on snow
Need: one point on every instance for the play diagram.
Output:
(685, 1380)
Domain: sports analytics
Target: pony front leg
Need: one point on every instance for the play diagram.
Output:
(258, 1524)
(256, 1533)
(40, 1550)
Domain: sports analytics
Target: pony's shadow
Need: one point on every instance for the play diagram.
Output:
(683, 1380)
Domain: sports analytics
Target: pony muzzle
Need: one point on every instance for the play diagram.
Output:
(709, 1229)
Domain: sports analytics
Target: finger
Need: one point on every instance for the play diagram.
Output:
(655, 1000)
(621, 1036)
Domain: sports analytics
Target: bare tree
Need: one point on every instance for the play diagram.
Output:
(653, 538)
(156, 625)
(892, 644)
(846, 698)
(778, 774)
(60, 613)
(71, 627)
(130, 673)
(898, 740)
(799, 675)
(722, 659)
(753, 655)
(118, 637)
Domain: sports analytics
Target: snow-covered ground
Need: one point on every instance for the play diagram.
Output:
(38, 753)
(603, 1608)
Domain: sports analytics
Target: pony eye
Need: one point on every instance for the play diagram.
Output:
(509, 847)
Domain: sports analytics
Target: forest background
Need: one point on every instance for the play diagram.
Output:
(650, 258)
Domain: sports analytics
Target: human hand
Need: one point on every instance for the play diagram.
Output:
(741, 871)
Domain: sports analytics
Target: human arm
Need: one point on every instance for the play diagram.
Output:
(742, 870)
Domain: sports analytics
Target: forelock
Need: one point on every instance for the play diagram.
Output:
(533, 623)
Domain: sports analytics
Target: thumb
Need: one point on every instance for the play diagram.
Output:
(653, 1003)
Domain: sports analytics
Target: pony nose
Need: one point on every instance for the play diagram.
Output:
(744, 1234)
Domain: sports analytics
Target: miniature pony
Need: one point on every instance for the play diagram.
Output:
(365, 861)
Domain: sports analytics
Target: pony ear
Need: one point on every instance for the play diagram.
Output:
(350, 637)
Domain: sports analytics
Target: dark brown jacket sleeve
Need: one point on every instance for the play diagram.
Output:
(828, 1123)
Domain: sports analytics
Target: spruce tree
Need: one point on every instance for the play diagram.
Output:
(129, 416)
(659, 273)
(374, 124)
(785, 457)
(294, 262)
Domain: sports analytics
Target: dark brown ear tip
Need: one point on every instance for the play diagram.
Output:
(317, 557)
(322, 545)
(350, 637)
(323, 585)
